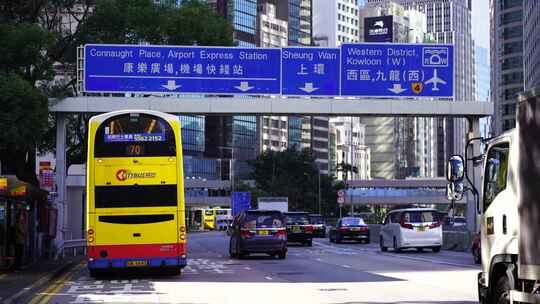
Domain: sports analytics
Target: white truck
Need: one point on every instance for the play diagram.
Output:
(273, 203)
(508, 205)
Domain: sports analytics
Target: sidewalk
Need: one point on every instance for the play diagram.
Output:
(15, 285)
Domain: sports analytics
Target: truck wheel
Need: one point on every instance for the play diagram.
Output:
(381, 245)
(436, 249)
(501, 293)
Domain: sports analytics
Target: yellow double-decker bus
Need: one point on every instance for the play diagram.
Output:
(135, 192)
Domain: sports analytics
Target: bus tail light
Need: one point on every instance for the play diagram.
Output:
(182, 229)
(308, 229)
(90, 235)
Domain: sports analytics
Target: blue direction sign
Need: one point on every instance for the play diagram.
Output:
(397, 70)
(310, 71)
(241, 201)
(171, 69)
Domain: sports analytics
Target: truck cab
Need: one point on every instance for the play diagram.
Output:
(508, 206)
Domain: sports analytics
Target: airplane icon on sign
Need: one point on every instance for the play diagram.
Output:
(435, 80)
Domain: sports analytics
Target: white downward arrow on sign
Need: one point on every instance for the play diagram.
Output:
(171, 85)
(308, 88)
(244, 86)
(397, 88)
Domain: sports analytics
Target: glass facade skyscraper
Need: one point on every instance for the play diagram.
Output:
(531, 43)
(243, 16)
(506, 61)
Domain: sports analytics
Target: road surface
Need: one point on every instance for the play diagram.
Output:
(325, 273)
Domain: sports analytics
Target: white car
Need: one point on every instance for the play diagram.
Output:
(411, 228)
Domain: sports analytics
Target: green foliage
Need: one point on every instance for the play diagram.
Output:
(23, 120)
(197, 23)
(24, 51)
(138, 21)
(293, 174)
(36, 36)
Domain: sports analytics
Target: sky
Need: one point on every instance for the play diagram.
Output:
(480, 22)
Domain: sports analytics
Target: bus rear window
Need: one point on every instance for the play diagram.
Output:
(134, 134)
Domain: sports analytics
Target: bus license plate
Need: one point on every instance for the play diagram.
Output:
(137, 263)
(296, 229)
(263, 232)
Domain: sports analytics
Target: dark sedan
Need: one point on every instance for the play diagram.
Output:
(298, 228)
(258, 231)
(350, 228)
(319, 228)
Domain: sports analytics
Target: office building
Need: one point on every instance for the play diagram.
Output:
(272, 32)
(506, 61)
(531, 43)
(448, 21)
(335, 22)
(348, 146)
(400, 146)
(482, 83)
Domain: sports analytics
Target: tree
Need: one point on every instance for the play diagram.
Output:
(293, 174)
(24, 108)
(137, 21)
(37, 41)
(23, 121)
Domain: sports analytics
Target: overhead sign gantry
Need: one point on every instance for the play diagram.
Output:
(363, 70)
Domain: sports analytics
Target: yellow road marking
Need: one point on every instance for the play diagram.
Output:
(56, 286)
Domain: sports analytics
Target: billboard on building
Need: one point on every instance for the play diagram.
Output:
(378, 29)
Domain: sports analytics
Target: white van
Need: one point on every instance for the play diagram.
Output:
(411, 228)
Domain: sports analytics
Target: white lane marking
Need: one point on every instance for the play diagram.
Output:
(318, 259)
(247, 268)
(373, 250)
(268, 278)
(428, 260)
(346, 266)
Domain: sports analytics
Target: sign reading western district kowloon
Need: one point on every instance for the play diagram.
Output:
(387, 69)
(366, 69)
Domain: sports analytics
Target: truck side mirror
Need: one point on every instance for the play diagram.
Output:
(454, 191)
(455, 169)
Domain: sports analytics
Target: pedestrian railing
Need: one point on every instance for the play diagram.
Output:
(72, 247)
